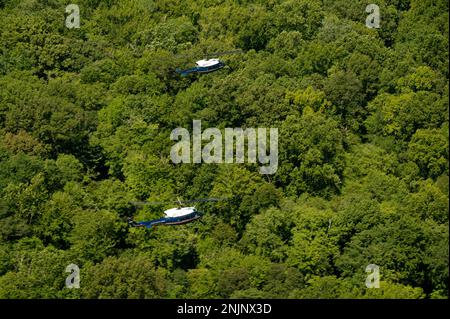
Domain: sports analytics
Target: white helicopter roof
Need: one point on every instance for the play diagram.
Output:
(205, 63)
(177, 212)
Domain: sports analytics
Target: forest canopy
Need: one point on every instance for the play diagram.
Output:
(362, 113)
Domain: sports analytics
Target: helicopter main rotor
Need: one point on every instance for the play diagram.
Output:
(208, 55)
(180, 202)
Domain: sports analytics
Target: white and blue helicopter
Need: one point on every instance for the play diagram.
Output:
(173, 216)
(207, 65)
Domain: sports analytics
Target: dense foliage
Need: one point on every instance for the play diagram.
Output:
(85, 119)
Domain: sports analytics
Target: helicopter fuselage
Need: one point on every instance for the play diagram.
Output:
(174, 216)
(203, 66)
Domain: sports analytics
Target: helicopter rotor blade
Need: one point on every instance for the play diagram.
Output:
(225, 52)
(209, 54)
(141, 203)
(202, 200)
(179, 202)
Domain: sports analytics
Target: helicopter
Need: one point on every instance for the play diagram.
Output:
(207, 65)
(173, 216)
